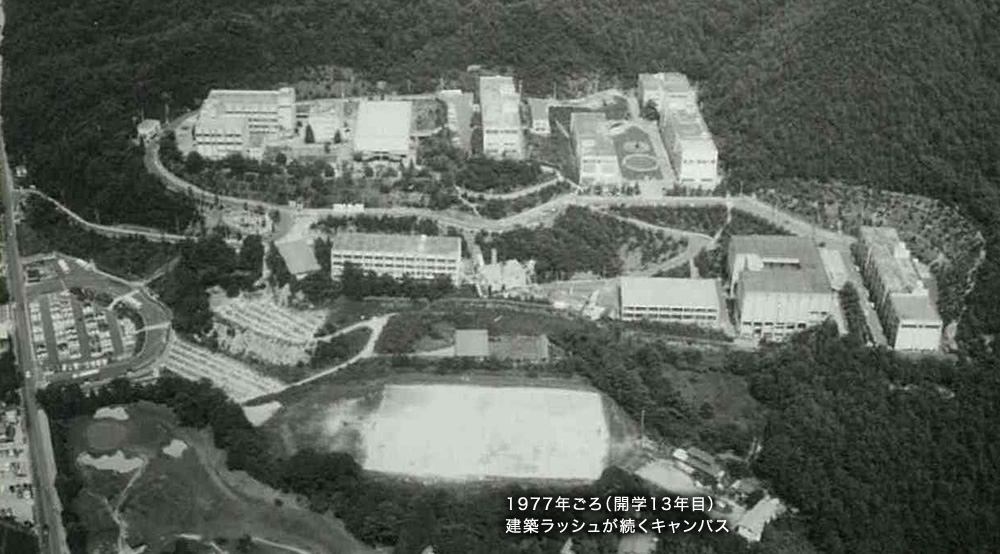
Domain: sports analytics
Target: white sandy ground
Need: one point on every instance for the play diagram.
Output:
(117, 413)
(175, 449)
(668, 476)
(117, 462)
(258, 415)
(469, 432)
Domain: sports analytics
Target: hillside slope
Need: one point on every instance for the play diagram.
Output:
(900, 94)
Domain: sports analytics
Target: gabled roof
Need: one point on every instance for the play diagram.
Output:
(662, 291)
(383, 127)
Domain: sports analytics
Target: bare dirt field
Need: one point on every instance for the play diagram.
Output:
(443, 430)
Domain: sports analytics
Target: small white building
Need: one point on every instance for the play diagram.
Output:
(902, 300)
(147, 129)
(383, 131)
(539, 108)
(667, 91)
(597, 160)
(691, 301)
(500, 108)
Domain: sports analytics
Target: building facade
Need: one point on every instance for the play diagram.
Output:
(500, 108)
(539, 108)
(693, 155)
(690, 301)
(780, 285)
(667, 91)
(902, 300)
(420, 257)
(240, 121)
(597, 160)
(383, 131)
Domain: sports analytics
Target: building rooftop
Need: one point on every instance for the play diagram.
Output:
(751, 525)
(836, 269)
(539, 108)
(500, 102)
(590, 132)
(459, 114)
(474, 343)
(285, 96)
(892, 260)
(299, 257)
(777, 263)
(914, 308)
(383, 126)
(662, 291)
(670, 82)
(402, 244)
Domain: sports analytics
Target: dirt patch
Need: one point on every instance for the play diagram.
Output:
(117, 462)
(117, 413)
(175, 449)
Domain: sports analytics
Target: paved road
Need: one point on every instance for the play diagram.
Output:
(111, 231)
(47, 514)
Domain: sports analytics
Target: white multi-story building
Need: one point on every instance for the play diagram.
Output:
(240, 121)
(539, 108)
(692, 151)
(692, 301)
(902, 300)
(500, 108)
(780, 284)
(667, 91)
(596, 158)
(420, 257)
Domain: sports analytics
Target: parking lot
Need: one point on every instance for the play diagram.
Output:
(86, 325)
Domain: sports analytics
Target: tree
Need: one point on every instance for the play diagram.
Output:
(243, 544)
(649, 111)
(337, 138)
(194, 163)
(280, 158)
(310, 137)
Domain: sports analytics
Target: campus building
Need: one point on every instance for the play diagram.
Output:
(299, 256)
(902, 301)
(382, 132)
(500, 108)
(539, 108)
(596, 157)
(241, 121)
(667, 91)
(693, 155)
(780, 285)
(692, 301)
(420, 257)
(459, 105)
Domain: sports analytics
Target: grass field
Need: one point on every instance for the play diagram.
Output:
(190, 494)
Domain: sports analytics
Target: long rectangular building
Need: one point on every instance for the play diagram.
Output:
(419, 256)
(595, 151)
(902, 301)
(692, 151)
(237, 121)
(383, 131)
(692, 301)
(780, 284)
(500, 108)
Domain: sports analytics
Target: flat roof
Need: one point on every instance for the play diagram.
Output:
(892, 259)
(670, 82)
(590, 131)
(472, 343)
(520, 347)
(401, 244)
(499, 101)
(225, 96)
(810, 275)
(664, 291)
(300, 258)
(911, 307)
(383, 126)
(539, 108)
